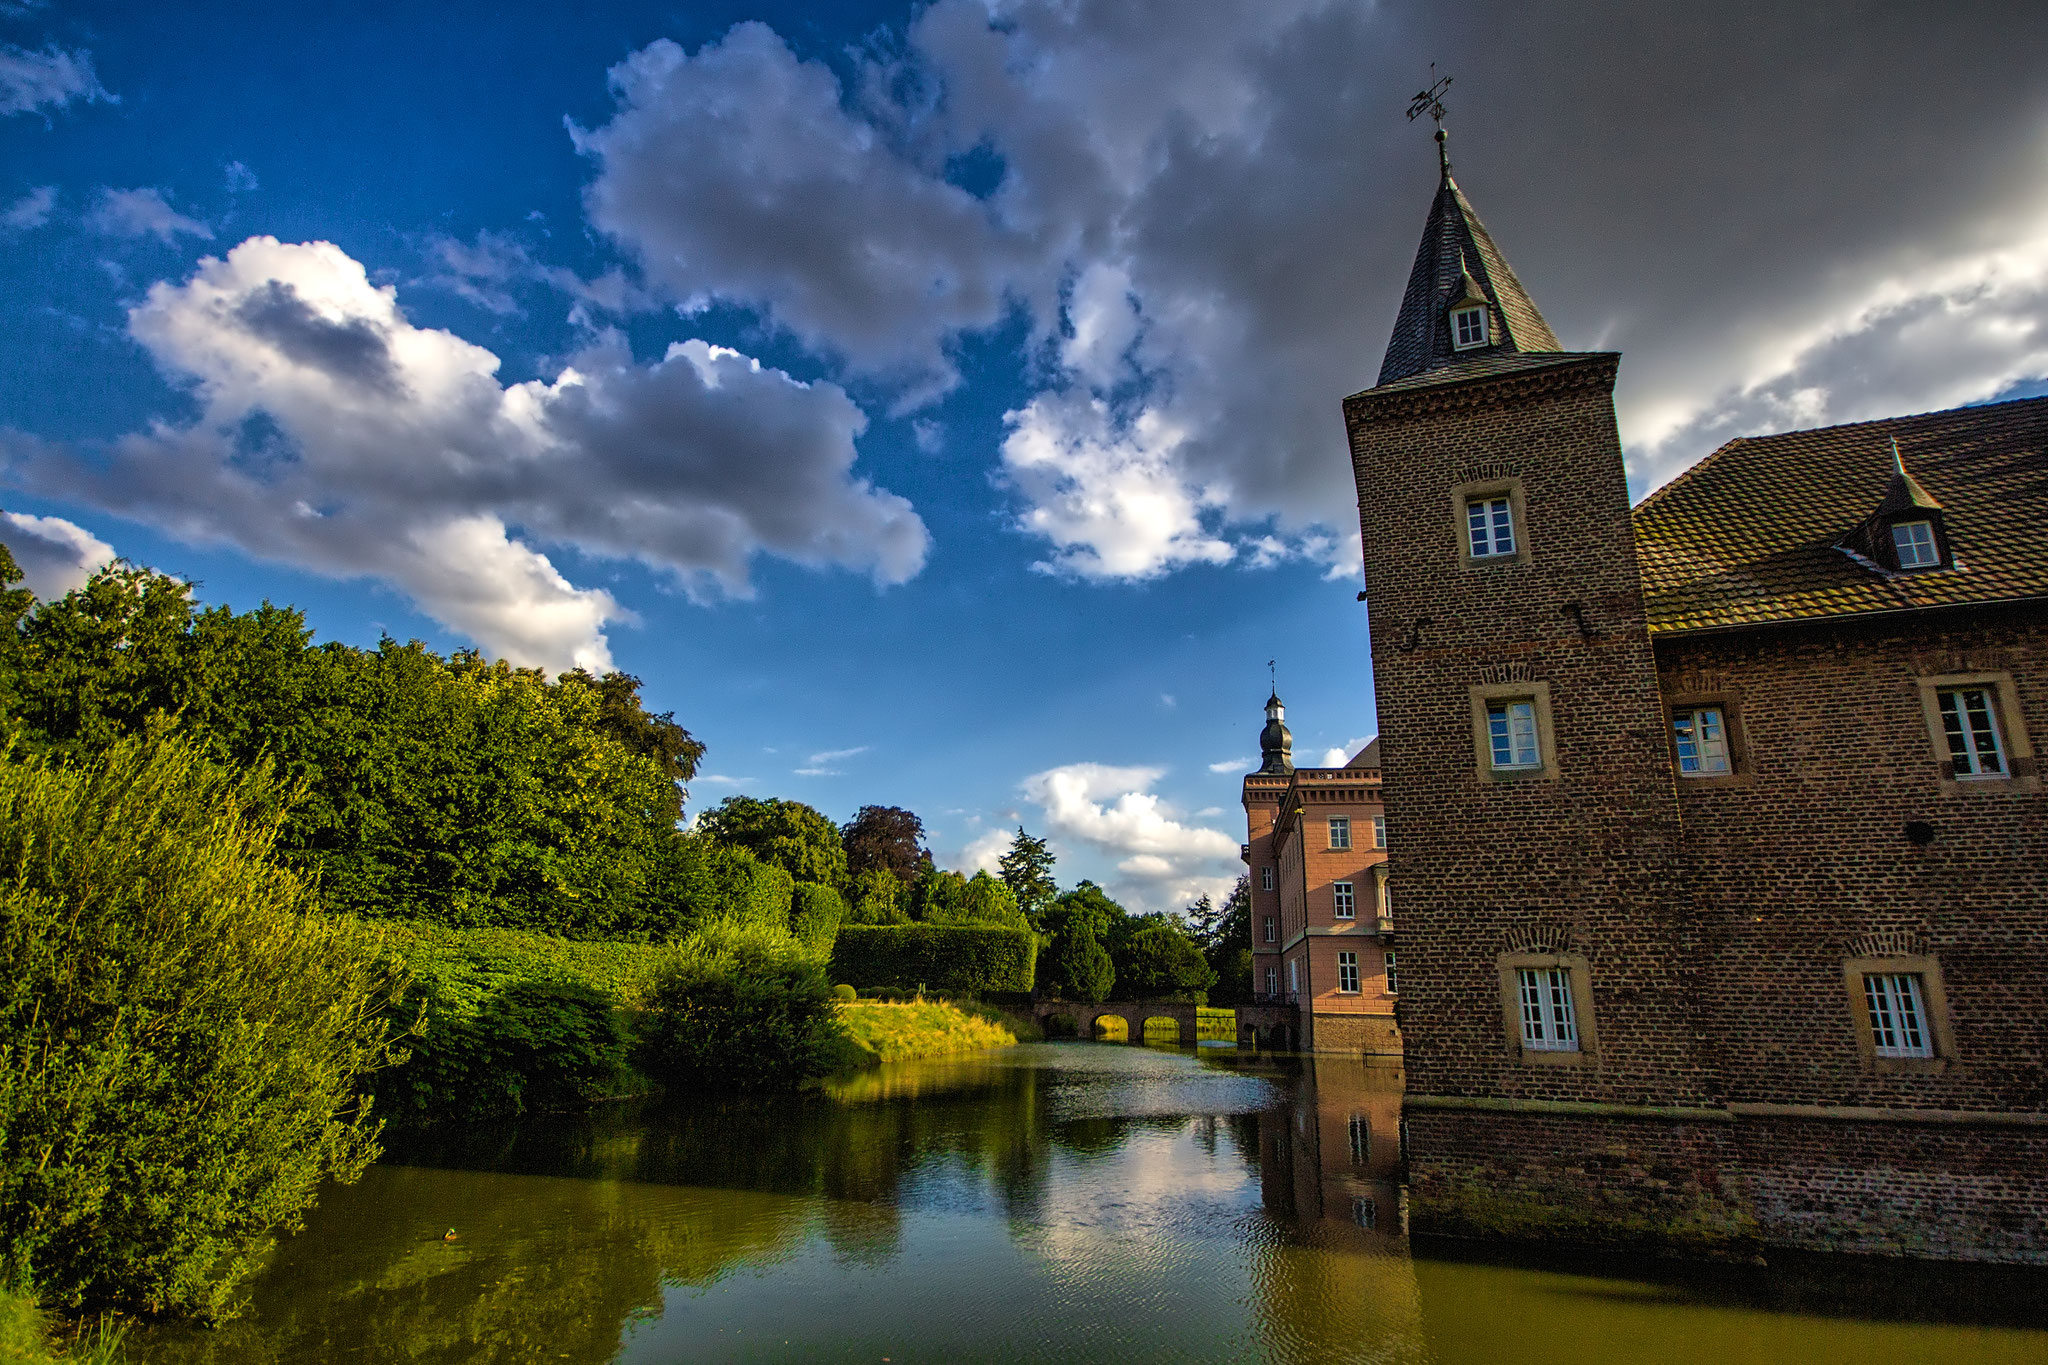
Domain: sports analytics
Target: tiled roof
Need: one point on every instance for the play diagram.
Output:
(1455, 245)
(1749, 534)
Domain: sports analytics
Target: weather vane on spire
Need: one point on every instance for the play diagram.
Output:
(1273, 677)
(1431, 102)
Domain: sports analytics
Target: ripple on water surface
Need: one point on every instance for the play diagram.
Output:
(1056, 1202)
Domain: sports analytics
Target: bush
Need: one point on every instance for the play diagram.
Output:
(844, 993)
(1080, 966)
(490, 959)
(1159, 961)
(740, 1007)
(969, 960)
(814, 917)
(180, 1038)
(538, 1046)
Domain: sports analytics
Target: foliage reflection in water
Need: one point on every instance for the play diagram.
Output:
(1055, 1202)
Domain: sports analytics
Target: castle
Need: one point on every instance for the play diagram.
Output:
(1717, 833)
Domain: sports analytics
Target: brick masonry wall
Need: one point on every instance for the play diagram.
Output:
(1800, 860)
(1589, 860)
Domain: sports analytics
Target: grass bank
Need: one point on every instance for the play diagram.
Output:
(26, 1337)
(880, 1031)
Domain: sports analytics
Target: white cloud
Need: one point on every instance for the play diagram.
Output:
(54, 555)
(984, 853)
(238, 177)
(1338, 757)
(834, 755)
(488, 271)
(337, 436)
(721, 780)
(1163, 862)
(32, 210)
(1234, 765)
(142, 212)
(51, 78)
(739, 174)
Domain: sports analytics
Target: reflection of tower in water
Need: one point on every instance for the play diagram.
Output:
(1330, 1166)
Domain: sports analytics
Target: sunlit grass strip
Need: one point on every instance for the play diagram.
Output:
(1215, 1025)
(902, 1033)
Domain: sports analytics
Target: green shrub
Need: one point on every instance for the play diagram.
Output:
(844, 993)
(740, 1007)
(1160, 961)
(1080, 966)
(180, 1039)
(966, 959)
(746, 890)
(474, 963)
(814, 917)
(533, 1045)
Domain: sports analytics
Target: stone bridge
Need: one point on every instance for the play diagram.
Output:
(1272, 1027)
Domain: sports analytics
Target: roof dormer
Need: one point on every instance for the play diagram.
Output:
(1470, 316)
(1906, 534)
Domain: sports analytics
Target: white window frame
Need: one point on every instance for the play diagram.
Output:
(1464, 339)
(1490, 526)
(1550, 1022)
(1379, 831)
(1347, 973)
(1513, 741)
(1294, 976)
(1359, 1129)
(1976, 747)
(1899, 1021)
(1392, 988)
(1272, 981)
(1701, 735)
(1272, 928)
(1340, 832)
(1921, 551)
(1266, 878)
(1344, 900)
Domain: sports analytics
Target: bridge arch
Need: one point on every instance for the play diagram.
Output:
(1111, 1028)
(1163, 1030)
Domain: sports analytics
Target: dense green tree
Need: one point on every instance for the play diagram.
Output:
(1224, 933)
(182, 1040)
(1078, 967)
(1089, 904)
(620, 715)
(949, 898)
(876, 897)
(1027, 870)
(793, 836)
(886, 837)
(1161, 960)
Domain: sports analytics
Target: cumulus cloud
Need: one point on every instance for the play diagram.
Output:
(984, 853)
(491, 270)
(337, 436)
(1163, 862)
(32, 210)
(142, 212)
(55, 556)
(1206, 211)
(739, 174)
(1339, 756)
(49, 79)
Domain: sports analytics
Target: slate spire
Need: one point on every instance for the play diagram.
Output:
(1457, 257)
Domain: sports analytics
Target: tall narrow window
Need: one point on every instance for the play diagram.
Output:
(1294, 975)
(1549, 1023)
(1347, 973)
(1511, 729)
(1392, 987)
(1379, 831)
(1347, 900)
(1340, 831)
(1272, 981)
(1970, 724)
(1702, 736)
(1361, 1139)
(1898, 1015)
(1265, 879)
(1914, 541)
(1272, 930)
(1491, 523)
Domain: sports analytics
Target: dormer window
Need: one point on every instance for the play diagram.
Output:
(1914, 541)
(1468, 327)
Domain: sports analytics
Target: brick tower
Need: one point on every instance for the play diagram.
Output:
(1537, 863)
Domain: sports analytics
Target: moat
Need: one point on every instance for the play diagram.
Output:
(1072, 1202)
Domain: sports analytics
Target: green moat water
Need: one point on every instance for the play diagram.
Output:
(1061, 1202)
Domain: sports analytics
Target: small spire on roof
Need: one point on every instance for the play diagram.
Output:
(1904, 493)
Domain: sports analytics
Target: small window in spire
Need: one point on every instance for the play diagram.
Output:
(1914, 540)
(1468, 327)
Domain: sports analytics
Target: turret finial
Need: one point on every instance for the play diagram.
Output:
(1431, 102)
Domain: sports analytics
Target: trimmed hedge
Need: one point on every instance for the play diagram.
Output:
(473, 964)
(956, 958)
(815, 914)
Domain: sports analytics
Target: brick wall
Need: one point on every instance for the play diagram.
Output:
(1588, 859)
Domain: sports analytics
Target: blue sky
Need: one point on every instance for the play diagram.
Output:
(936, 406)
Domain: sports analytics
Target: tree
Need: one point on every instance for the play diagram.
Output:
(1161, 960)
(1224, 933)
(1080, 965)
(886, 837)
(791, 835)
(621, 716)
(876, 897)
(1027, 870)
